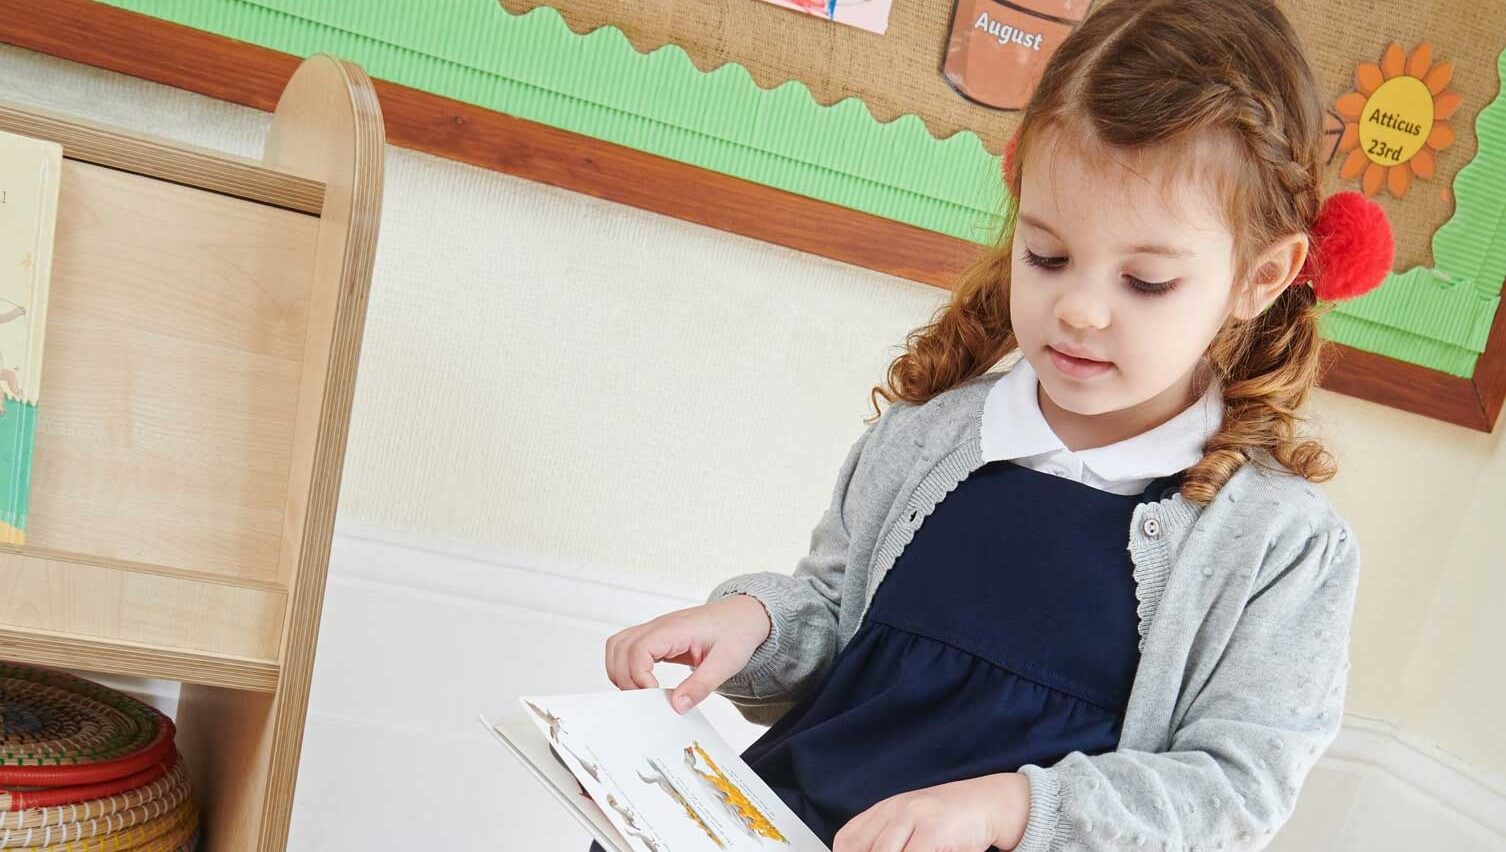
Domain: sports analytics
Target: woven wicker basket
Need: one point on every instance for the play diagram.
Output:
(85, 768)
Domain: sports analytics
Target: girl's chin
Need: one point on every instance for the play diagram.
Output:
(1074, 397)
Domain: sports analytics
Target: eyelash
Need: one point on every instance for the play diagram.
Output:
(1149, 288)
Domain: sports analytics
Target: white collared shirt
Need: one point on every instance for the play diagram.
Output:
(1014, 429)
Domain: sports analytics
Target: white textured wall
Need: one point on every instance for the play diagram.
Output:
(1455, 689)
(649, 402)
(1406, 483)
(623, 391)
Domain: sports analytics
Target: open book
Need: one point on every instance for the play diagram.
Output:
(642, 778)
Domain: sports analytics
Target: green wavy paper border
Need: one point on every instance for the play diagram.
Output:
(533, 66)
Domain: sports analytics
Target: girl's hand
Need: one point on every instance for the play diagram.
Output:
(962, 816)
(716, 639)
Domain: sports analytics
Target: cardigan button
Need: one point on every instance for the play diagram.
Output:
(1151, 527)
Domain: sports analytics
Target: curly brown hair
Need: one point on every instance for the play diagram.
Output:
(1156, 76)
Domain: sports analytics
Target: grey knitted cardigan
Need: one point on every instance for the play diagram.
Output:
(1244, 616)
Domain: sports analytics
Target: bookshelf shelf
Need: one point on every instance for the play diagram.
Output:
(202, 334)
(137, 659)
(68, 609)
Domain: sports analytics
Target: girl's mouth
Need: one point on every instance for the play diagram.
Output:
(1078, 368)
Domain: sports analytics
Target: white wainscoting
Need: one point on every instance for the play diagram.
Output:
(419, 636)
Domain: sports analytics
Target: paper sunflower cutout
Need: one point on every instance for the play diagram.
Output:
(1396, 119)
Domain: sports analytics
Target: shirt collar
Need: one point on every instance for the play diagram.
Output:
(1013, 428)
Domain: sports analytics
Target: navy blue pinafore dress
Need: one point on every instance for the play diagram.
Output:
(1004, 634)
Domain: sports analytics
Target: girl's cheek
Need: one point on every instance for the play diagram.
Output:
(1023, 291)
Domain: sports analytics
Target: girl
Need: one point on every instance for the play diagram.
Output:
(1093, 602)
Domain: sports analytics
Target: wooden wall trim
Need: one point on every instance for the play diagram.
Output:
(1490, 372)
(1398, 384)
(107, 37)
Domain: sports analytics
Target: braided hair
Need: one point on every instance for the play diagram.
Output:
(1220, 86)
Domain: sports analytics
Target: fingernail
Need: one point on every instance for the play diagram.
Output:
(682, 703)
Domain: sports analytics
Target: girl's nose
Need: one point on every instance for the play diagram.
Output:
(1080, 307)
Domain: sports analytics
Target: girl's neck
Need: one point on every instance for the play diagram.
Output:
(1086, 431)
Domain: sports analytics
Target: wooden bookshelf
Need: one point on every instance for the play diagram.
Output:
(203, 331)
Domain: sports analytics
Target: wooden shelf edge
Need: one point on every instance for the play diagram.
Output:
(189, 165)
(69, 651)
(188, 574)
(107, 37)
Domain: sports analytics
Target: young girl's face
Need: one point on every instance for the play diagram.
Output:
(1120, 282)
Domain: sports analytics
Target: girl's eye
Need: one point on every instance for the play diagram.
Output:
(1152, 288)
(1044, 262)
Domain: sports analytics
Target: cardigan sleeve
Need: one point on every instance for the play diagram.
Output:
(1231, 774)
(802, 607)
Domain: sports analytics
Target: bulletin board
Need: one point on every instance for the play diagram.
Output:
(896, 74)
(850, 144)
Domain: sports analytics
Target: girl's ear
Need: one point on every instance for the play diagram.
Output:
(1275, 270)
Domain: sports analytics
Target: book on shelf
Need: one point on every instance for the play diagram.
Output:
(640, 777)
(30, 173)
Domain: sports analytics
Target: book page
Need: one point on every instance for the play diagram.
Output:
(668, 782)
(517, 733)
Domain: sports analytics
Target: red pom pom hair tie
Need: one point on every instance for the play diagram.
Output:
(1352, 248)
